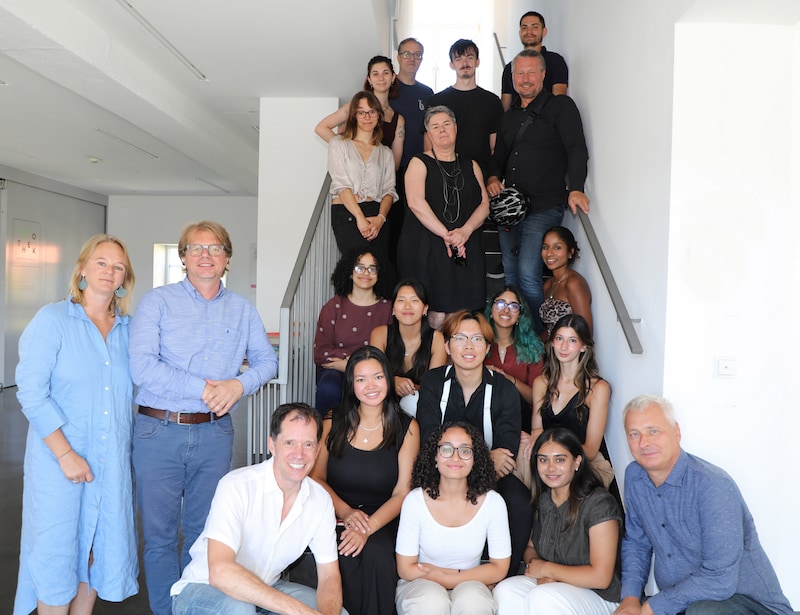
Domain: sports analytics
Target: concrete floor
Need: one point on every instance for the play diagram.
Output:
(13, 431)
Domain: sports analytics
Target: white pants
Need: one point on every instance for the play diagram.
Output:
(424, 597)
(521, 595)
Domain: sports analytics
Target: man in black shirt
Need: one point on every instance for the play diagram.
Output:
(540, 142)
(531, 34)
(477, 111)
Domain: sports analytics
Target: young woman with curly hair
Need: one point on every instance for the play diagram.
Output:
(369, 447)
(411, 344)
(445, 521)
(467, 391)
(361, 281)
(570, 393)
(571, 559)
(517, 353)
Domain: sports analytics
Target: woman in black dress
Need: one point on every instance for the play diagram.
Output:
(370, 447)
(439, 245)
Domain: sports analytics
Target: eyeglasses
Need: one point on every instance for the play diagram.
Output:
(502, 304)
(196, 249)
(447, 450)
(459, 339)
(361, 114)
(361, 269)
(407, 55)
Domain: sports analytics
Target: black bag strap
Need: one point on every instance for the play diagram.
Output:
(531, 111)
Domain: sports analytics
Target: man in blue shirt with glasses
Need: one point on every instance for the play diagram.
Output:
(188, 342)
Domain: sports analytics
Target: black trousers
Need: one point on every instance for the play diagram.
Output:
(346, 232)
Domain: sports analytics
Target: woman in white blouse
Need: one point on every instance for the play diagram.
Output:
(362, 178)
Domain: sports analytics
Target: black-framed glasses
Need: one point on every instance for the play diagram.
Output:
(196, 249)
(512, 306)
(407, 55)
(448, 449)
(361, 113)
(362, 269)
(459, 339)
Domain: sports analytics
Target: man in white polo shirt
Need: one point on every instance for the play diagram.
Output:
(262, 519)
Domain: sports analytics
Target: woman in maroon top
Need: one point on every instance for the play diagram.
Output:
(362, 283)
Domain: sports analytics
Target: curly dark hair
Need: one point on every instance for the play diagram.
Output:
(342, 276)
(426, 474)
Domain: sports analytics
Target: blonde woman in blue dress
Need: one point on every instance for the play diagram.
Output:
(74, 385)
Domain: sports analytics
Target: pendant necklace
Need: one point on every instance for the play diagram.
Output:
(369, 429)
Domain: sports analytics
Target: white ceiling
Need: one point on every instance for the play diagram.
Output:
(80, 75)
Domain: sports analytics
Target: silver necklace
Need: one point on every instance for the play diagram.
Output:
(369, 429)
(452, 184)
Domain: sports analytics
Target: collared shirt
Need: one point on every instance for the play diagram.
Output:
(369, 181)
(505, 414)
(703, 536)
(245, 516)
(179, 339)
(556, 71)
(551, 148)
(69, 377)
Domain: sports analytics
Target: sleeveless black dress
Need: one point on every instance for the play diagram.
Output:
(422, 255)
(365, 480)
(569, 419)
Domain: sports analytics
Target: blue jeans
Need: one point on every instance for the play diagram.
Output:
(329, 389)
(521, 247)
(738, 604)
(177, 469)
(202, 599)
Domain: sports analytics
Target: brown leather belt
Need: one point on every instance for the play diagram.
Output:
(181, 418)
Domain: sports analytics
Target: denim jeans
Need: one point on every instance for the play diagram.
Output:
(738, 604)
(329, 389)
(521, 247)
(177, 469)
(202, 599)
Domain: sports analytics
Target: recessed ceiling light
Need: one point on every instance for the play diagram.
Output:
(151, 29)
(126, 143)
(220, 188)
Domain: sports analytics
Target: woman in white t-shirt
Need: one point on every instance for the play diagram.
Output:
(447, 518)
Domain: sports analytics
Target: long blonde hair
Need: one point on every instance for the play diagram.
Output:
(117, 304)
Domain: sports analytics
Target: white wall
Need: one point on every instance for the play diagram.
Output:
(706, 208)
(292, 167)
(141, 221)
(733, 269)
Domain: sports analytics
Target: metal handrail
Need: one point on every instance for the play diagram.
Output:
(499, 49)
(613, 290)
(307, 290)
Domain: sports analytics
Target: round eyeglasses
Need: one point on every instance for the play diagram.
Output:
(447, 450)
(407, 55)
(362, 269)
(459, 339)
(196, 249)
(502, 304)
